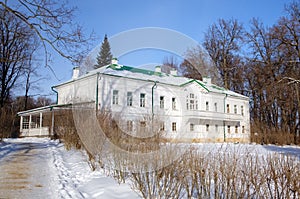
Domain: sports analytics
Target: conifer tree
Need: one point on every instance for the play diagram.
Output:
(104, 57)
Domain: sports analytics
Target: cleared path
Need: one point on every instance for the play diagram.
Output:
(24, 170)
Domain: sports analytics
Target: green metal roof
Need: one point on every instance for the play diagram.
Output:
(135, 70)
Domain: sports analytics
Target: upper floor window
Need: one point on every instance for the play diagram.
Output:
(216, 107)
(242, 110)
(207, 106)
(142, 100)
(173, 103)
(115, 98)
(129, 98)
(191, 102)
(161, 102)
(228, 108)
(235, 109)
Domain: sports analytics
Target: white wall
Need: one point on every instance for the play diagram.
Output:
(84, 90)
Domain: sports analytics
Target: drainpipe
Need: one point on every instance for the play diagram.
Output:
(224, 127)
(153, 87)
(97, 86)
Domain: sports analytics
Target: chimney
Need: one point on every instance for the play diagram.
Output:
(158, 69)
(114, 61)
(75, 72)
(173, 72)
(207, 80)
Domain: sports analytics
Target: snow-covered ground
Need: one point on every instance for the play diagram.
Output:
(43, 168)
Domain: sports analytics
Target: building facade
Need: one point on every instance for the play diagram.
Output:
(182, 109)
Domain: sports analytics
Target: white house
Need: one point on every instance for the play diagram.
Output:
(188, 109)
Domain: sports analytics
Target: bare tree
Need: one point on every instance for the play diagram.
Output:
(197, 64)
(169, 63)
(222, 43)
(16, 39)
(52, 22)
(272, 75)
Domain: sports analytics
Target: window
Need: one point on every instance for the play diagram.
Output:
(243, 129)
(162, 126)
(115, 99)
(228, 109)
(142, 99)
(192, 127)
(216, 107)
(161, 102)
(173, 103)
(207, 106)
(216, 128)
(236, 129)
(191, 102)
(129, 98)
(129, 126)
(173, 126)
(242, 110)
(142, 126)
(228, 129)
(207, 127)
(235, 109)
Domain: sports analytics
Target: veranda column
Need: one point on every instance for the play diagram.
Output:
(41, 122)
(52, 122)
(30, 120)
(21, 124)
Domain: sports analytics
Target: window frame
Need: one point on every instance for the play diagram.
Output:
(142, 100)
(173, 103)
(115, 97)
(161, 102)
(174, 126)
(129, 99)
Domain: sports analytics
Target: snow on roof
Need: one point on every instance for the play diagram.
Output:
(159, 77)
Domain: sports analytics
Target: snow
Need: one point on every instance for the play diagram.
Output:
(52, 172)
(43, 168)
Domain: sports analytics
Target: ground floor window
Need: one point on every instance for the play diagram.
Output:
(174, 126)
(228, 129)
(236, 129)
(129, 126)
(207, 127)
(243, 129)
(192, 127)
(162, 126)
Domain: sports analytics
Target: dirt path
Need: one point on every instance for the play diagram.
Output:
(24, 171)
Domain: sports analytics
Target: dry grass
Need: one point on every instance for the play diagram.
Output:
(222, 174)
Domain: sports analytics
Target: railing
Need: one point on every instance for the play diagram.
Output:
(213, 115)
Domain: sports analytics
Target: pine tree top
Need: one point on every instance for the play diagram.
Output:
(104, 57)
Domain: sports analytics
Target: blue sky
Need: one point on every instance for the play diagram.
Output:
(191, 18)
